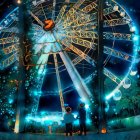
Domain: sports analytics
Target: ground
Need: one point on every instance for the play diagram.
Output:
(128, 135)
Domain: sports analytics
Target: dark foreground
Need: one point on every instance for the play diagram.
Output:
(129, 135)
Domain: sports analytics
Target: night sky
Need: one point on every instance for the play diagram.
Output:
(132, 5)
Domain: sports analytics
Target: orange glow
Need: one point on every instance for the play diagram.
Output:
(49, 24)
(103, 131)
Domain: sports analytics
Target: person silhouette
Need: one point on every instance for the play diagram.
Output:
(82, 118)
(68, 120)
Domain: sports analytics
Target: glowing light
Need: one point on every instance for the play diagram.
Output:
(117, 95)
(19, 1)
(115, 8)
(16, 129)
(75, 116)
(87, 106)
(103, 131)
(127, 83)
(10, 101)
(133, 72)
(133, 29)
(35, 93)
(107, 106)
(122, 14)
(109, 96)
(41, 71)
(43, 113)
(82, 100)
(135, 38)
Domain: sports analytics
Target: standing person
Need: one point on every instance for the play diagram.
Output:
(82, 118)
(68, 120)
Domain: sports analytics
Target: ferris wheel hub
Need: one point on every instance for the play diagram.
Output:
(49, 24)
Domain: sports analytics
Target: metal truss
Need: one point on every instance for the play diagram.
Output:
(118, 54)
(7, 40)
(10, 60)
(10, 49)
(117, 36)
(111, 76)
(116, 22)
(59, 84)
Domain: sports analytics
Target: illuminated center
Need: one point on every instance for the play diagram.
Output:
(48, 24)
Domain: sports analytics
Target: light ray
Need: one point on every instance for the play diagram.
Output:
(43, 58)
(81, 88)
(78, 82)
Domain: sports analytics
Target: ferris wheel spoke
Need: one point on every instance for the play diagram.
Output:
(10, 49)
(81, 34)
(10, 30)
(71, 17)
(43, 11)
(53, 10)
(79, 52)
(108, 10)
(117, 36)
(82, 42)
(72, 12)
(61, 14)
(90, 7)
(81, 20)
(74, 8)
(8, 61)
(111, 76)
(77, 60)
(87, 26)
(78, 4)
(59, 83)
(36, 19)
(9, 40)
(116, 22)
(118, 54)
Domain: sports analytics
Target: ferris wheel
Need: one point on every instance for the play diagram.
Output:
(64, 39)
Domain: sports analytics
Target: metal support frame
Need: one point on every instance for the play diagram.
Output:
(19, 124)
(59, 84)
(101, 103)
